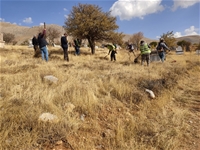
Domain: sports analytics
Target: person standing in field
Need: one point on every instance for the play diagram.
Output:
(77, 44)
(145, 52)
(64, 45)
(161, 49)
(112, 51)
(131, 48)
(43, 44)
(35, 43)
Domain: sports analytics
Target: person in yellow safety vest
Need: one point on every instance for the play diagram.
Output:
(145, 52)
(112, 49)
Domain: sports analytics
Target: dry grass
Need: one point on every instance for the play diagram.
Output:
(118, 114)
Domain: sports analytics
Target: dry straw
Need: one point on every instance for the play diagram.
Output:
(118, 113)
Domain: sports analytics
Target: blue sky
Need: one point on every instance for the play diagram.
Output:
(152, 17)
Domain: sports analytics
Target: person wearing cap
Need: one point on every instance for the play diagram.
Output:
(145, 52)
(64, 45)
(112, 51)
(161, 49)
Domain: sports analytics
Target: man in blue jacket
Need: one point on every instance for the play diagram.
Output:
(43, 44)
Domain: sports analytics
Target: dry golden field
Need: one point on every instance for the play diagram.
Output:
(98, 104)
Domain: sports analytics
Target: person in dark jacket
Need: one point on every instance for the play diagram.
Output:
(43, 44)
(77, 44)
(161, 49)
(35, 43)
(64, 45)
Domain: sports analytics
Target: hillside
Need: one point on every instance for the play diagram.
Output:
(23, 33)
(192, 38)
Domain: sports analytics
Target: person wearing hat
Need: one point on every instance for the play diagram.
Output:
(145, 52)
(64, 45)
(161, 49)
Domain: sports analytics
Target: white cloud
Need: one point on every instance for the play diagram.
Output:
(28, 20)
(41, 24)
(177, 34)
(128, 9)
(183, 3)
(66, 16)
(2, 20)
(65, 9)
(191, 31)
(14, 23)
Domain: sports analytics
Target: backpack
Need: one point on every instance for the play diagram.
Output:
(159, 47)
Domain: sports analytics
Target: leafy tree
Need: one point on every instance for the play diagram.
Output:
(198, 46)
(184, 44)
(116, 38)
(153, 44)
(87, 21)
(8, 37)
(136, 38)
(169, 39)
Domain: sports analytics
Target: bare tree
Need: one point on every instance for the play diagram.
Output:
(136, 38)
(169, 39)
(8, 37)
(52, 33)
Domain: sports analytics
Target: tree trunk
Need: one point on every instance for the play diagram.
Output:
(92, 45)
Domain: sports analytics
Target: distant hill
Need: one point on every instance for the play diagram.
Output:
(192, 38)
(148, 40)
(23, 33)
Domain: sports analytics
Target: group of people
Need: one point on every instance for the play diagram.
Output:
(64, 45)
(145, 49)
(41, 43)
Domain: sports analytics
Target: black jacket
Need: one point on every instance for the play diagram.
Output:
(34, 41)
(41, 39)
(64, 42)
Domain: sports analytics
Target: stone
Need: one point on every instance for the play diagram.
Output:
(2, 43)
(154, 57)
(48, 117)
(51, 78)
(198, 52)
(179, 50)
(30, 43)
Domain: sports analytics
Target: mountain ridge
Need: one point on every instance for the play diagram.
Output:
(23, 33)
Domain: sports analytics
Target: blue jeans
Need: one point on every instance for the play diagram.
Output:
(44, 52)
(162, 56)
(77, 50)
